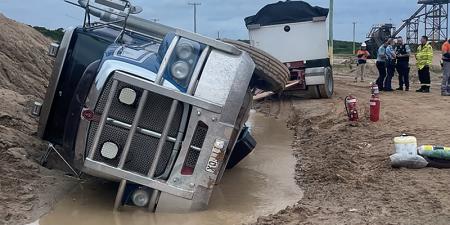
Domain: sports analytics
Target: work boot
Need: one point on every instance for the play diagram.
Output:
(407, 89)
(426, 89)
(444, 93)
(421, 89)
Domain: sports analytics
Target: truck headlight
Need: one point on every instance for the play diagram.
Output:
(180, 70)
(140, 197)
(109, 150)
(182, 62)
(127, 96)
(185, 50)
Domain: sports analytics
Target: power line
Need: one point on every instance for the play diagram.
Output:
(195, 4)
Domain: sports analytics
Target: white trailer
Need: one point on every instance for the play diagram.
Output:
(296, 33)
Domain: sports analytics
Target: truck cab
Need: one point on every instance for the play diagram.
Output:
(156, 108)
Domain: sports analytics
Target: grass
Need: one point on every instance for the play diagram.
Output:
(344, 47)
(55, 35)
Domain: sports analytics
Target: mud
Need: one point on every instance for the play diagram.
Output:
(345, 171)
(261, 184)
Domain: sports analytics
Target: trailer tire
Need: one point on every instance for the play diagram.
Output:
(270, 74)
(326, 90)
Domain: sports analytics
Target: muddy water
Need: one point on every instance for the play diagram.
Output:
(261, 184)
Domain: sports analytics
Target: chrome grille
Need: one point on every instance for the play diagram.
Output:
(118, 111)
(143, 147)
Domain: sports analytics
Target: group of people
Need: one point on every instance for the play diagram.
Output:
(394, 55)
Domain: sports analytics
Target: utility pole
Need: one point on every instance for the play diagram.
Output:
(330, 27)
(195, 4)
(354, 34)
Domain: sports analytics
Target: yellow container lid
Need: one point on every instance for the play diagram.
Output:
(405, 140)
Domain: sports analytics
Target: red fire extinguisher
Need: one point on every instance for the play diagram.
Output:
(375, 107)
(351, 108)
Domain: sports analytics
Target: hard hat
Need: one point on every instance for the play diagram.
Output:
(364, 44)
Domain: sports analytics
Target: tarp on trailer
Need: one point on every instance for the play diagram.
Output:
(286, 12)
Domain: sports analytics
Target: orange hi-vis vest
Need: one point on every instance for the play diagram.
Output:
(362, 54)
(446, 51)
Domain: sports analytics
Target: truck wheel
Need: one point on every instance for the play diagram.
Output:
(326, 90)
(270, 74)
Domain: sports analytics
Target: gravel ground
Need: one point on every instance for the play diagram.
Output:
(345, 171)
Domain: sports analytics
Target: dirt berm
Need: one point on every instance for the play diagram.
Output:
(27, 190)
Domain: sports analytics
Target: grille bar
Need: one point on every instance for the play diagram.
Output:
(155, 88)
(132, 131)
(146, 132)
(165, 61)
(139, 179)
(163, 138)
(197, 70)
(103, 118)
(139, 129)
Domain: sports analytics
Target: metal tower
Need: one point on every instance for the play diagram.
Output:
(432, 16)
(436, 21)
(412, 31)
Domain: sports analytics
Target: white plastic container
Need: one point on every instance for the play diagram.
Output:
(406, 145)
(406, 153)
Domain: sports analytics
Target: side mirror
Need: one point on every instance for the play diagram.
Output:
(53, 49)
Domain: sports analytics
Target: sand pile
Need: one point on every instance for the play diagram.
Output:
(24, 64)
(24, 72)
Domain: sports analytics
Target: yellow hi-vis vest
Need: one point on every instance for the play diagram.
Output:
(424, 56)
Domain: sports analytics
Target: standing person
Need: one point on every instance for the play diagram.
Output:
(362, 55)
(403, 51)
(424, 58)
(381, 65)
(446, 69)
(390, 65)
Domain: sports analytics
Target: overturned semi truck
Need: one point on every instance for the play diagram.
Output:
(158, 109)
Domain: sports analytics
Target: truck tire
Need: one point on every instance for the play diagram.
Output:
(270, 74)
(326, 90)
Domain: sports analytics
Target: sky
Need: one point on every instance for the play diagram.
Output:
(213, 16)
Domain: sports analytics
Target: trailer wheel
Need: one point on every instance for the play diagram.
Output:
(270, 74)
(326, 90)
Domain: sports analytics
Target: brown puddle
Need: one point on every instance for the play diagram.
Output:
(260, 185)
